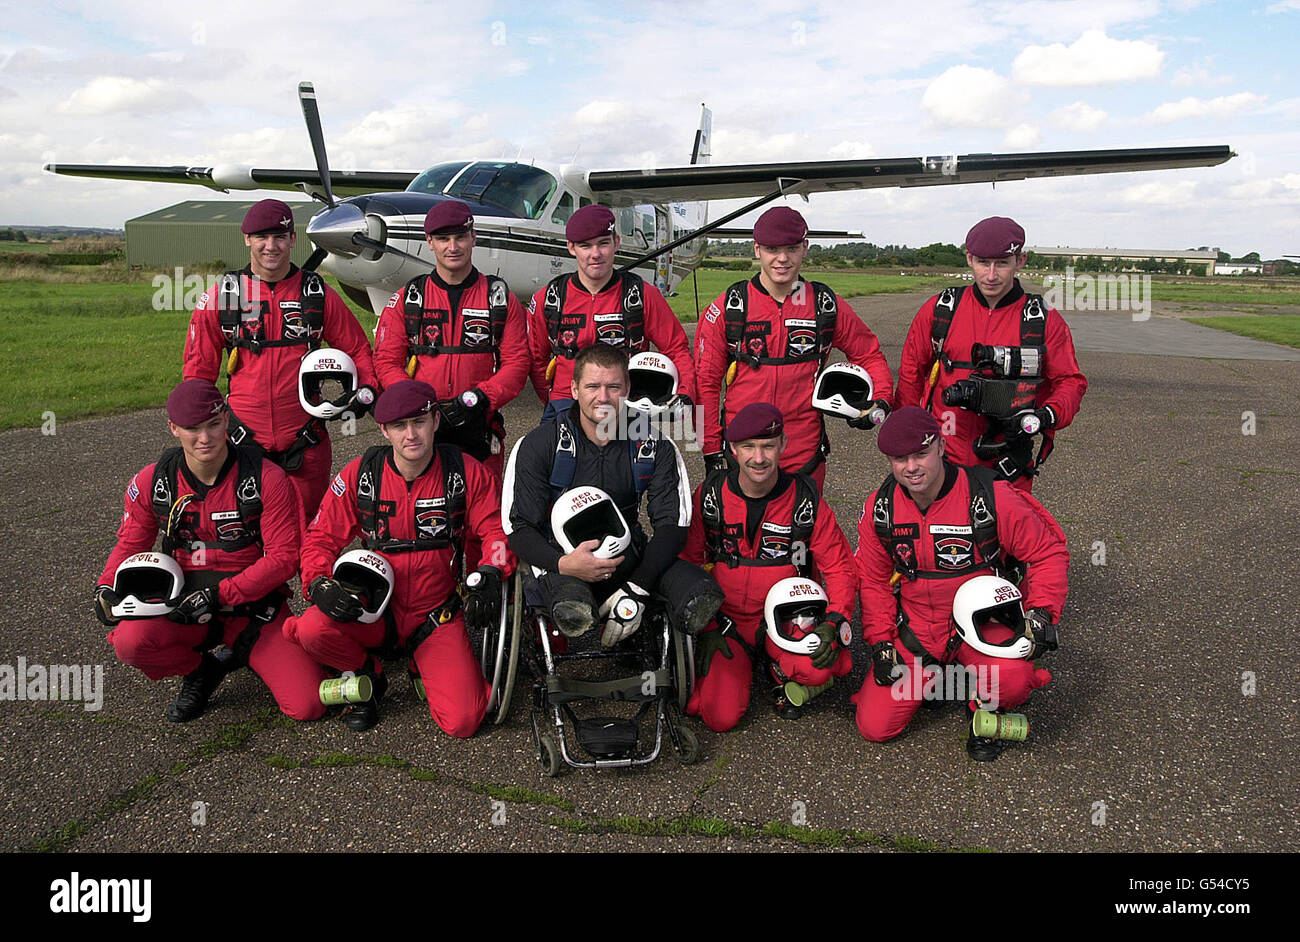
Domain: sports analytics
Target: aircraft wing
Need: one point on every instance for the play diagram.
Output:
(238, 177)
(717, 182)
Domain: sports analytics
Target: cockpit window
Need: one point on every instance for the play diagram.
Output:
(436, 178)
(518, 189)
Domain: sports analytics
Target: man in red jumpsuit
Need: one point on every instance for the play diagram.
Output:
(231, 520)
(460, 331)
(595, 303)
(994, 311)
(757, 525)
(414, 502)
(930, 522)
(264, 319)
(765, 340)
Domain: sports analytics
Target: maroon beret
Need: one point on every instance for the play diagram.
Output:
(590, 222)
(268, 216)
(995, 237)
(907, 430)
(403, 400)
(756, 420)
(780, 225)
(194, 402)
(447, 217)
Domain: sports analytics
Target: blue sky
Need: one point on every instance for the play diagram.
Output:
(410, 84)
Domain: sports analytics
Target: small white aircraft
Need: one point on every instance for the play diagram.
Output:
(373, 241)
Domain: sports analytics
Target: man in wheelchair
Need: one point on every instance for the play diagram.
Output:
(413, 503)
(570, 505)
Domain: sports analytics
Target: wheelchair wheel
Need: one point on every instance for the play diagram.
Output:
(688, 745)
(494, 651)
(512, 662)
(684, 667)
(548, 755)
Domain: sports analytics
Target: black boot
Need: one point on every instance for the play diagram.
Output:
(195, 690)
(360, 717)
(982, 748)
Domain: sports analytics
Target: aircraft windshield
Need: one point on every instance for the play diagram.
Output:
(518, 189)
(436, 178)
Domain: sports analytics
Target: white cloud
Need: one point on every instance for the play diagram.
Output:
(851, 150)
(1283, 6)
(600, 112)
(968, 97)
(1198, 73)
(1092, 59)
(1224, 106)
(1022, 137)
(1079, 116)
(1178, 193)
(110, 94)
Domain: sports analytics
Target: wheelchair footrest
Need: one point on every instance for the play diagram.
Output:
(607, 737)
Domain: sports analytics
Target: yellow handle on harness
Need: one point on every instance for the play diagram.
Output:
(934, 373)
(731, 372)
(410, 367)
(895, 578)
(550, 369)
(232, 361)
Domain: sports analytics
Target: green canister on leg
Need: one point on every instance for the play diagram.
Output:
(1009, 726)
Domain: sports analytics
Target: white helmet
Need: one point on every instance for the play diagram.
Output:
(588, 513)
(369, 577)
(843, 389)
(149, 585)
(320, 367)
(794, 607)
(652, 381)
(990, 598)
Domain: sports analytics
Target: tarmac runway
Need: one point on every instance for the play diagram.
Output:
(1171, 723)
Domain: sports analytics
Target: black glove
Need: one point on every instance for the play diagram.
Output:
(483, 597)
(198, 607)
(333, 599)
(873, 413)
(826, 652)
(105, 599)
(884, 663)
(358, 402)
(469, 407)
(707, 644)
(680, 402)
(1038, 625)
(1046, 415)
(715, 462)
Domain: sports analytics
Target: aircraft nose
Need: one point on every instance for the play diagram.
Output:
(332, 229)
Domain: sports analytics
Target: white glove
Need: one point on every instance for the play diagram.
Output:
(622, 612)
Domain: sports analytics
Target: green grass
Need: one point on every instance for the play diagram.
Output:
(1275, 328)
(1218, 293)
(80, 350)
(847, 284)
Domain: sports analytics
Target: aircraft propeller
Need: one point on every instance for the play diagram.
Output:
(341, 228)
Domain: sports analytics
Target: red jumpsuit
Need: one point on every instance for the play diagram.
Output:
(423, 580)
(264, 387)
(1025, 530)
(788, 386)
(973, 322)
(662, 329)
(454, 373)
(721, 697)
(164, 648)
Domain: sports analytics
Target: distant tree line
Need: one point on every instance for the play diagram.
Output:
(858, 254)
(12, 235)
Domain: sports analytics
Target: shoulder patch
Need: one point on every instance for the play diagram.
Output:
(132, 492)
(338, 486)
(711, 315)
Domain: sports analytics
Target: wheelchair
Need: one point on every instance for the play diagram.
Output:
(652, 672)
(498, 646)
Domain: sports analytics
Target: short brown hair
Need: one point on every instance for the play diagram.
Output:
(599, 354)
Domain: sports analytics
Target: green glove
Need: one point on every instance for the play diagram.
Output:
(826, 652)
(708, 644)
